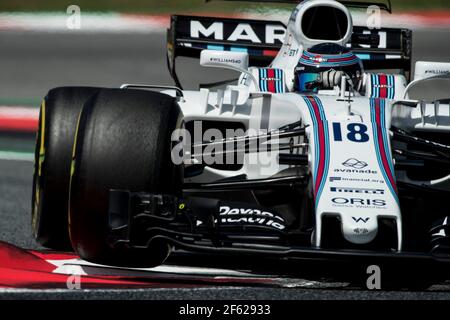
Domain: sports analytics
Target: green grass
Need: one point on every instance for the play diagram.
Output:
(174, 6)
(32, 102)
(420, 4)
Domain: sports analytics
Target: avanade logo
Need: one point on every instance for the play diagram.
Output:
(355, 166)
(355, 163)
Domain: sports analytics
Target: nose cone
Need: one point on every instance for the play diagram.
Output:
(359, 229)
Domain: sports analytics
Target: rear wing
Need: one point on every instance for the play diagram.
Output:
(379, 49)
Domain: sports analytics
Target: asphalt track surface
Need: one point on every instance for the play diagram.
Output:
(31, 63)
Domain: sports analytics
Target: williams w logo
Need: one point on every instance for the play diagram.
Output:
(359, 219)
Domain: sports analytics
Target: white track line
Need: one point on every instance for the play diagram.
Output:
(90, 23)
(81, 267)
(19, 112)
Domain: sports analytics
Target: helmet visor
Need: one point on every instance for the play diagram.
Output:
(308, 82)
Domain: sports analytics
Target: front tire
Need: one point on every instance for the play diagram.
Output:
(123, 143)
(57, 123)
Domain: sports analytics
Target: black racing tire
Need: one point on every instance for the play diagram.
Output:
(123, 142)
(57, 124)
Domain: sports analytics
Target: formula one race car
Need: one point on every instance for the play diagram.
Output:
(317, 151)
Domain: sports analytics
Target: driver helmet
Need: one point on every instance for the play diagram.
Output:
(322, 66)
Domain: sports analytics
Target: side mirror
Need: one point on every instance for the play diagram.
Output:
(426, 69)
(412, 84)
(237, 61)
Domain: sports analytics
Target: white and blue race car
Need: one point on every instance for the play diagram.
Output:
(317, 150)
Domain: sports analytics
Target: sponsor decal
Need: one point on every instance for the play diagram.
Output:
(354, 163)
(361, 203)
(271, 80)
(361, 231)
(256, 33)
(366, 180)
(332, 179)
(437, 72)
(367, 171)
(248, 216)
(225, 60)
(383, 86)
(291, 53)
(356, 190)
(360, 219)
(328, 60)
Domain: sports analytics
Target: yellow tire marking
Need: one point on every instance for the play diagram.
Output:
(72, 164)
(72, 169)
(42, 147)
(41, 159)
